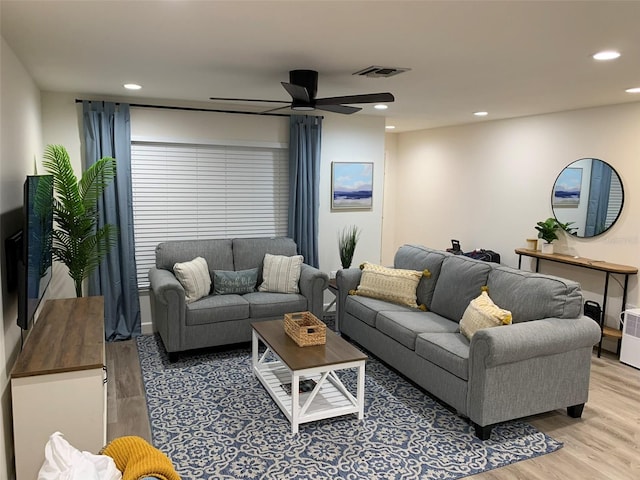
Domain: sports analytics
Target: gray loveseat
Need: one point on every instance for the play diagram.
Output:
(224, 319)
(539, 363)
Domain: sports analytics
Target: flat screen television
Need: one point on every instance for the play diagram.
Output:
(34, 273)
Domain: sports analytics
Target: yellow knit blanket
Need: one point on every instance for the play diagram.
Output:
(136, 459)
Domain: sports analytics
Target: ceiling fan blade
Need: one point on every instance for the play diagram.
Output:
(364, 98)
(248, 100)
(297, 92)
(275, 109)
(347, 110)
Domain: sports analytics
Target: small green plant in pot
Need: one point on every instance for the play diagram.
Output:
(547, 231)
(347, 241)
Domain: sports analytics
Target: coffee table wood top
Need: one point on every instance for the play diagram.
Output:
(335, 351)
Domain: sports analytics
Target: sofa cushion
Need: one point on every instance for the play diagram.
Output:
(242, 281)
(194, 278)
(217, 308)
(281, 274)
(450, 351)
(264, 305)
(217, 253)
(249, 252)
(482, 313)
(532, 296)
(460, 281)
(416, 257)
(390, 284)
(405, 326)
(366, 309)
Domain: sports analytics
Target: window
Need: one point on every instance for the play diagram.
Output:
(189, 192)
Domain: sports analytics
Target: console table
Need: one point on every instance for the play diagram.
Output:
(58, 382)
(589, 263)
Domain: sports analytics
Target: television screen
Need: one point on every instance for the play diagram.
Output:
(37, 240)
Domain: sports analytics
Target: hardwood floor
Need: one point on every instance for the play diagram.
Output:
(603, 445)
(126, 403)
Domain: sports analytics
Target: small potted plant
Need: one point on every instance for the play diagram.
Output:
(547, 232)
(347, 241)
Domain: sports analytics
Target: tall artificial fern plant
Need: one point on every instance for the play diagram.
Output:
(77, 240)
(347, 241)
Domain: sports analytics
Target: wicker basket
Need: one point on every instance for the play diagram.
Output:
(305, 329)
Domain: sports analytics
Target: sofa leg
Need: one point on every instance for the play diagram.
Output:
(173, 356)
(575, 411)
(483, 433)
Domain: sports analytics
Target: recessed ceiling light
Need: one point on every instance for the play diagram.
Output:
(390, 127)
(381, 106)
(633, 90)
(132, 86)
(606, 55)
(481, 114)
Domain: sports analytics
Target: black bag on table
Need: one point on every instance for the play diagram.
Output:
(484, 255)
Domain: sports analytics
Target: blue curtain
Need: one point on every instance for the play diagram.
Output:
(304, 180)
(107, 133)
(598, 203)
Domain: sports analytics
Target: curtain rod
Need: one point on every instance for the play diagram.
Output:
(194, 109)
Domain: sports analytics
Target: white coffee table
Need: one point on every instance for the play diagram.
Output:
(290, 363)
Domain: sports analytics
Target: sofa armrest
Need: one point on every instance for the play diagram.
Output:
(346, 279)
(166, 286)
(536, 338)
(167, 299)
(529, 368)
(312, 285)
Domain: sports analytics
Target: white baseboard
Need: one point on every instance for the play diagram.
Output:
(147, 328)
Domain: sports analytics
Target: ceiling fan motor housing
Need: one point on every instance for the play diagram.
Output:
(307, 79)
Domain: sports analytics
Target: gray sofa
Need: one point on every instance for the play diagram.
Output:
(539, 363)
(224, 319)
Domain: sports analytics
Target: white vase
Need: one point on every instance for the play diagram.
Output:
(547, 248)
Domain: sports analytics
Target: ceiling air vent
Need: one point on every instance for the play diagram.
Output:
(380, 72)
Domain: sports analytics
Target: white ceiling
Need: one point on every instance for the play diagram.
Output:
(511, 58)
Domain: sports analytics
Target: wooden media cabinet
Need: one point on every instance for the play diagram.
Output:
(59, 382)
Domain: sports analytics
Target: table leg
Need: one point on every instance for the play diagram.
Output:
(295, 402)
(254, 351)
(360, 392)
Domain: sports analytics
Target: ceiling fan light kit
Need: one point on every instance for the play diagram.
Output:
(303, 87)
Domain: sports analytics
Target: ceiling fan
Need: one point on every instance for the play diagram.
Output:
(303, 86)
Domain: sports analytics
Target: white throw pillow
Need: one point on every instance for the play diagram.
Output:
(281, 274)
(194, 278)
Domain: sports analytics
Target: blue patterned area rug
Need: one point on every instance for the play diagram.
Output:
(215, 420)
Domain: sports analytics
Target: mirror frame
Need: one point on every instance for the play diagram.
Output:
(563, 204)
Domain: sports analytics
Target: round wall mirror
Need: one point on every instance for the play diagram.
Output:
(588, 193)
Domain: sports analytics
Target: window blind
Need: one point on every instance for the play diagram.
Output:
(615, 200)
(189, 192)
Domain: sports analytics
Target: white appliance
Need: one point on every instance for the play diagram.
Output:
(630, 347)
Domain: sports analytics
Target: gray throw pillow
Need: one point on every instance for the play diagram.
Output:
(242, 281)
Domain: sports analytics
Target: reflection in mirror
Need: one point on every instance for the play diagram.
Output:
(589, 193)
